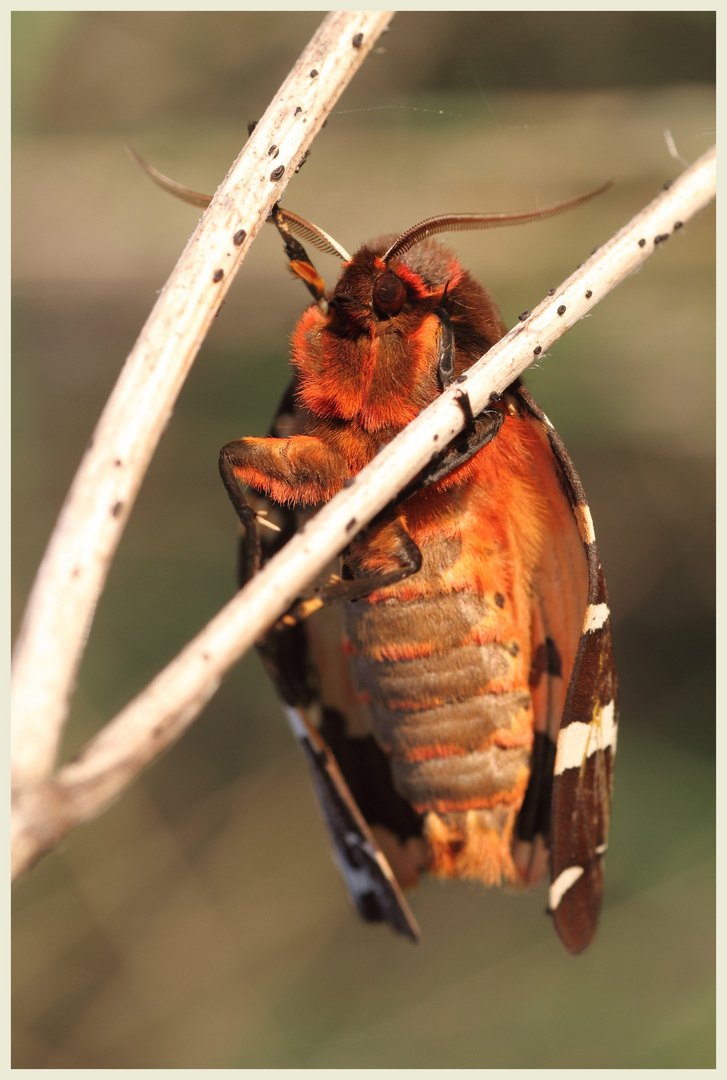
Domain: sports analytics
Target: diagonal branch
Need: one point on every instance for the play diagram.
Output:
(159, 715)
(75, 566)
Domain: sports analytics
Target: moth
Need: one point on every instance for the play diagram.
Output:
(451, 681)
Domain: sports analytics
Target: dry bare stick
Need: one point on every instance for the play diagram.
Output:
(76, 563)
(157, 716)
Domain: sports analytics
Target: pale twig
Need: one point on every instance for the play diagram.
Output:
(167, 706)
(76, 563)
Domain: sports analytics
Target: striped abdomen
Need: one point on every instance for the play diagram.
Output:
(448, 696)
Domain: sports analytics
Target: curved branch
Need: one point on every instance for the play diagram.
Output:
(159, 715)
(76, 563)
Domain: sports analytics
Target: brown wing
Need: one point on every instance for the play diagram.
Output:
(586, 733)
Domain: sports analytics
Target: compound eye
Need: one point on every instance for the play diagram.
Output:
(389, 293)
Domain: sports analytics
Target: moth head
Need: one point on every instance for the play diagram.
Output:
(390, 286)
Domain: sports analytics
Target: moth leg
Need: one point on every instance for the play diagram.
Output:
(478, 433)
(299, 469)
(382, 555)
(445, 348)
(480, 430)
(305, 469)
(249, 559)
(298, 260)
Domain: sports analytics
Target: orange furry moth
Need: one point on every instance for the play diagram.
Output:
(451, 681)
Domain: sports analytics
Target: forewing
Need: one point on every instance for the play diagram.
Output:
(585, 739)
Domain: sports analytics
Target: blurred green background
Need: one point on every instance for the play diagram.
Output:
(200, 922)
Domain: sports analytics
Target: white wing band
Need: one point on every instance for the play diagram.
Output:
(579, 741)
(562, 884)
(596, 617)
